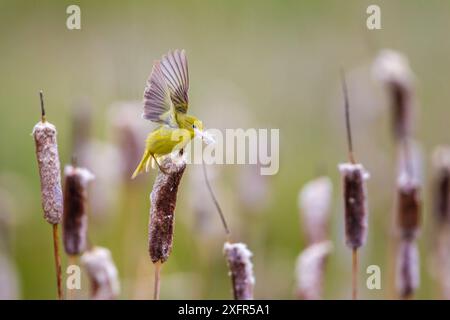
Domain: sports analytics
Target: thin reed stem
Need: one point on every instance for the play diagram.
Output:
(355, 274)
(57, 261)
(41, 96)
(216, 203)
(157, 282)
(348, 127)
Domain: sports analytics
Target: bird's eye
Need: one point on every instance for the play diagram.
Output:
(193, 126)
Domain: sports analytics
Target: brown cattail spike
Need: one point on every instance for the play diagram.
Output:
(409, 201)
(241, 270)
(355, 201)
(163, 201)
(102, 273)
(409, 207)
(441, 184)
(75, 209)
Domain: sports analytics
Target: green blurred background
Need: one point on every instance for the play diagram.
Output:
(263, 64)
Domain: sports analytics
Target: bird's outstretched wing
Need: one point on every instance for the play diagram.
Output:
(174, 68)
(158, 106)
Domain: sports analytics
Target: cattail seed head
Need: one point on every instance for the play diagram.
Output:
(408, 206)
(127, 134)
(163, 200)
(241, 270)
(314, 202)
(408, 269)
(355, 202)
(310, 268)
(102, 273)
(392, 69)
(441, 184)
(49, 170)
(75, 209)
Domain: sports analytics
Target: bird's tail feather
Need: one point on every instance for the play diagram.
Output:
(143, 165)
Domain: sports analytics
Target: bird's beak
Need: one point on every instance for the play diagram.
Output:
(205, 136)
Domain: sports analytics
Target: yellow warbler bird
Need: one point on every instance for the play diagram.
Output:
(166, 103)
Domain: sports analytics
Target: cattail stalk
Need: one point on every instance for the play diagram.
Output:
(44, 134)
(355, 198)
(310, 269)
(241, 270)
(102, 273)
(163, 200)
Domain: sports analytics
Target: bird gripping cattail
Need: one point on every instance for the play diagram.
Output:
(355, 197)
(44, 134)
(166, 103)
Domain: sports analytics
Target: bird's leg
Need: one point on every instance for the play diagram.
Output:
(160, 168)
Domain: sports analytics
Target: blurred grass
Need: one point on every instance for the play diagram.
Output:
(281, 58)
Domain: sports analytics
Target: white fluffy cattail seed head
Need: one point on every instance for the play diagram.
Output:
(241, 270)
(102, 273)
(392, 69)
(355, 202)
(408, 269)
(310, 268)
(314, 203)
